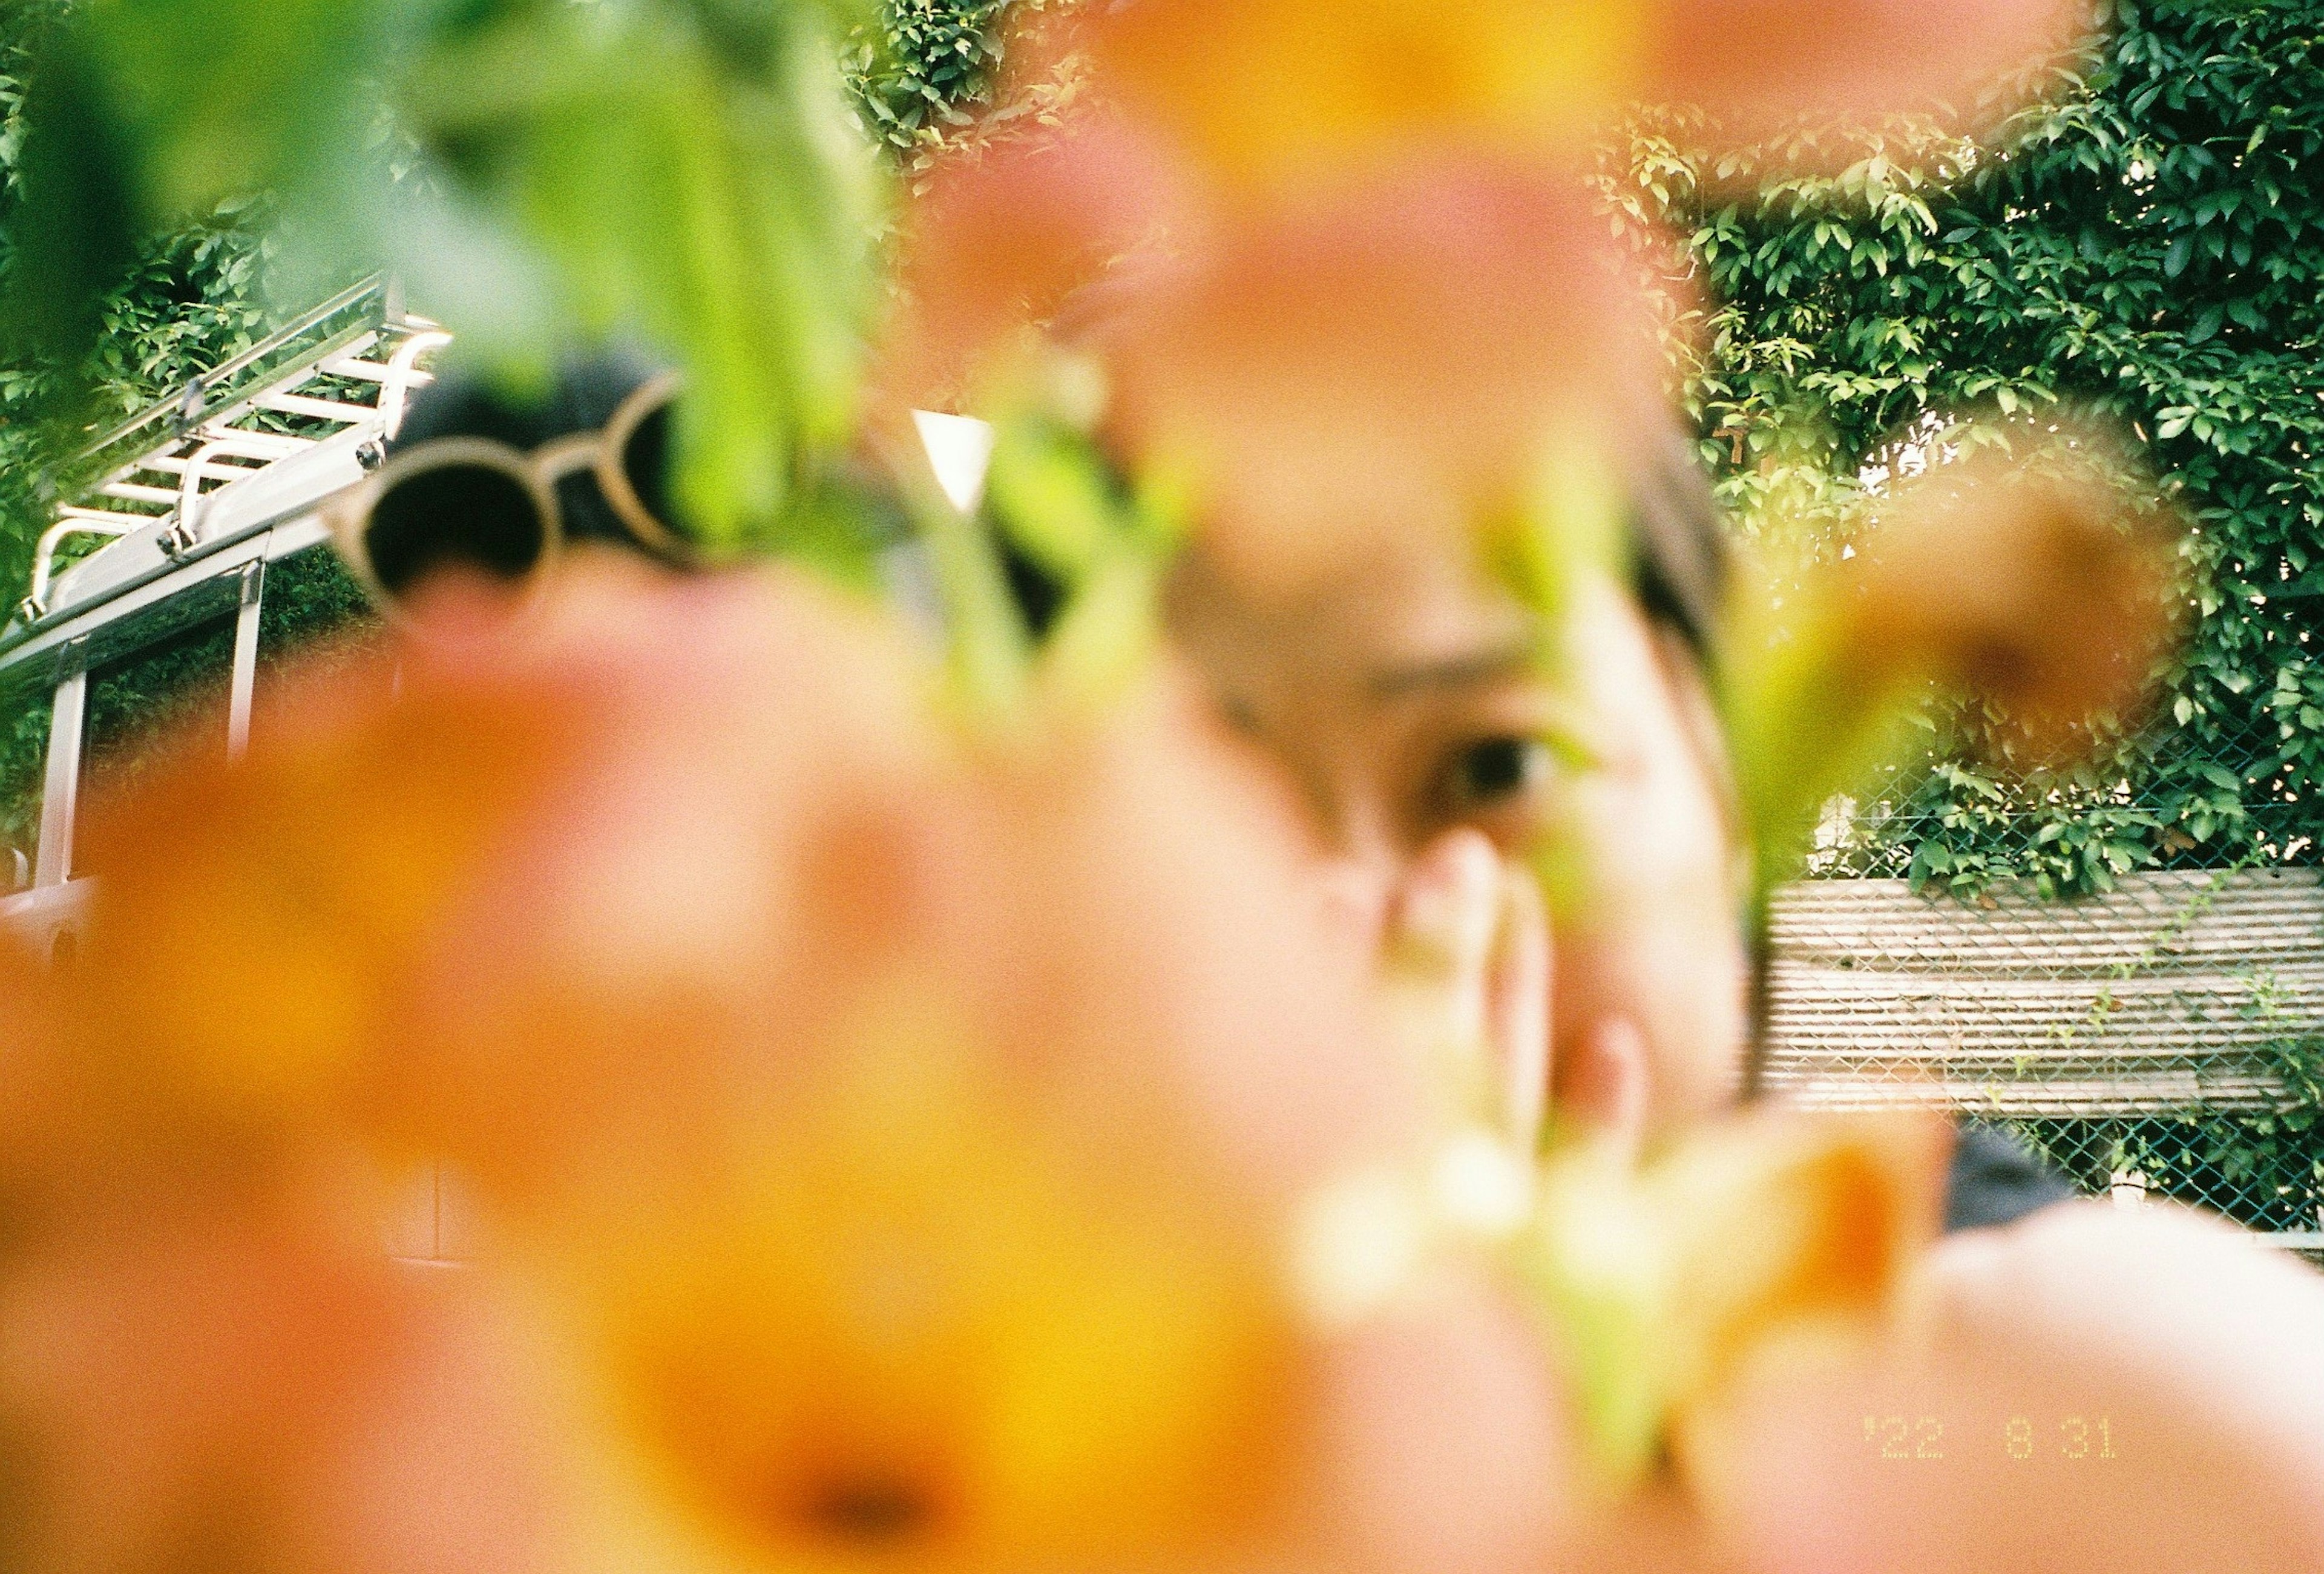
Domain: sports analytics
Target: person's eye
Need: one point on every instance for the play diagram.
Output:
(1491, 772)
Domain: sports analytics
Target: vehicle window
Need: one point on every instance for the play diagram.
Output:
(312, 613)
(140, 704)
(24, 753)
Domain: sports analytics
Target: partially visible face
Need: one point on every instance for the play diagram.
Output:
(1405, 695)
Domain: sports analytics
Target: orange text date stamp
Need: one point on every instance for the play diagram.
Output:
(1919, 1437)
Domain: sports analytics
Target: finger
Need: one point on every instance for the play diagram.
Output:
(1440, 949)
(1602, 1089)
(1449, 910)
(1517, 1006)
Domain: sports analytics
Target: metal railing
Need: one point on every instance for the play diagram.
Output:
(349, 364)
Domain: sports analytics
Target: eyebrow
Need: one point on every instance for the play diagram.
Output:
(1461, 669)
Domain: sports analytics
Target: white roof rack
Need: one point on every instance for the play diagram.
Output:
(165, 467)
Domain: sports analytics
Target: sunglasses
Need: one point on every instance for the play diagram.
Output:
(479, 504)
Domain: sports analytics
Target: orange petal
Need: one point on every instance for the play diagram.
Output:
(1270, 95)
(2033, 584)
(996, 243)
(1761, 65)
(1392, 356)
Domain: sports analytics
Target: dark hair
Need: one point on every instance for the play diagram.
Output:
(1681, 568)
(1679, 565)
(582, 397)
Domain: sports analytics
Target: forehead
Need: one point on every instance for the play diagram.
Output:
(1401, 601)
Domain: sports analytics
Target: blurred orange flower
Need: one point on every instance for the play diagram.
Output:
(892, 1137)
(339, 880)
(1435, 350)
(922, 1327)
(1271, 95)
(2040, 588)
(197, 1372)
(1668, 1285)
(2034, 582)
(1002, 240)
(1206, 115)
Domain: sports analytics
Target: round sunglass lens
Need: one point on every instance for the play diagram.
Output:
(471, 517)
(645, 460)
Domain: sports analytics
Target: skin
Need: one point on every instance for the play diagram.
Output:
(1436, 733)
(1437, 740)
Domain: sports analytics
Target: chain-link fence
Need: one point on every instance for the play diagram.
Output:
(2162, 1036)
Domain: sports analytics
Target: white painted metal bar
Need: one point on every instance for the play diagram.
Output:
(162, 585)
(75, 522)
(404, 375)
(374, 372)
(244, 681)
(295, 379)
(135, 492)
(98, 517)
(190, 496)
(280, 445)
(60, 786)
(180, 463)
(330, 409)
(213, 469)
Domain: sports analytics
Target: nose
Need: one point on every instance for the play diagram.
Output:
(1359, 875)
(1355, 898)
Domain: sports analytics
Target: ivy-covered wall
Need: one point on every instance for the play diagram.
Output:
(2149, 247)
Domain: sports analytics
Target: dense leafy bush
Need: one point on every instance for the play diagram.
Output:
(925, 72)
(2148, 246)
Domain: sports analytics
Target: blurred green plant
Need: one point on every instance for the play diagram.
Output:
(192, 298)
(23, 747)
(543, 174)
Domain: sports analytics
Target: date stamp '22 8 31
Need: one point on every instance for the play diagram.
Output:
(1925, 1436)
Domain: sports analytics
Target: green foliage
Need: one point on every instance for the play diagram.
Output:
(926, 79)
(192, 297)
(310, 596)
(2263, 1168)
(23, 747)
(2148, 246)
(138, 707)
(924, 72)
(543, 174)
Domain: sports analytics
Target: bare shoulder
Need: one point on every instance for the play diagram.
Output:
(2186, 1302)
(2086, 1388)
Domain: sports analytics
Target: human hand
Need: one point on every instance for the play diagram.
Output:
(1466, 960)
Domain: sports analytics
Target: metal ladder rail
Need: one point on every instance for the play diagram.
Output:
(199, 440)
